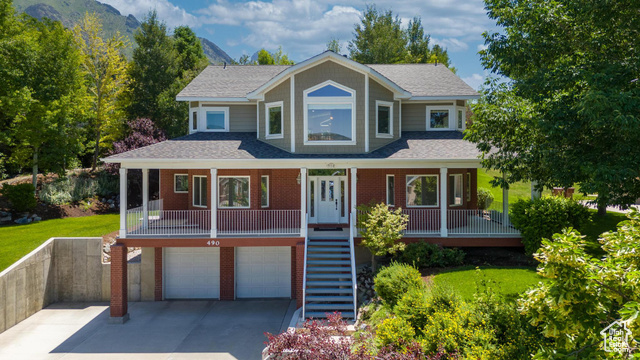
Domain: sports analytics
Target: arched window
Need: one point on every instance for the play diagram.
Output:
(329, 114)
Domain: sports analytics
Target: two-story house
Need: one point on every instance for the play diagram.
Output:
(259, 200)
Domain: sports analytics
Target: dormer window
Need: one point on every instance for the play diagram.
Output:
(213, 119)
(329, 116)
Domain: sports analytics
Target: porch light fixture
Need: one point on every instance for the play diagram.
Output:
(298, 179)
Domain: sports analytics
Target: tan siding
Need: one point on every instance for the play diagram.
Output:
(282, 93)
(242, 118)
(378, 92)
(414, 116)
(344, 76)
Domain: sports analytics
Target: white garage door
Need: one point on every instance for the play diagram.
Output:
(263, 272)
(192, 273)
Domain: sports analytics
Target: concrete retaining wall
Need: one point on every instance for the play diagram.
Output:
(61, 269)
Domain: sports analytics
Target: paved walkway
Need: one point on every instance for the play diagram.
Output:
(219, 330)
(609, 208)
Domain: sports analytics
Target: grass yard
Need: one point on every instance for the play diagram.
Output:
(520, 190)
(507, 281)
(17, 241)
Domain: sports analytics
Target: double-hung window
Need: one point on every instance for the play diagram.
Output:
(455, 189)
(329, 114)
(384, 119)
(234, 192)
(422, 190)
(199, 191)
(274, 123)
(264, 194)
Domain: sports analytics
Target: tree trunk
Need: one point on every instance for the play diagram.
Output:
(373, 263)
(602, 209)
(34, 175)
(96, 152)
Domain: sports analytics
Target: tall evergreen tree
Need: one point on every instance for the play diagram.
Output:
(153, 69)
(417, 42)
(378, 39)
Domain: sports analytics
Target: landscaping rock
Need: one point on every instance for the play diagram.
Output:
(366, 291)
(23, 220)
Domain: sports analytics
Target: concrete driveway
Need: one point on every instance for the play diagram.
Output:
(218, 330)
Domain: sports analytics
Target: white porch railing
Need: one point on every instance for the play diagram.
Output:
(258, 222)
(478, 223)
(422, 221)
(169, 222)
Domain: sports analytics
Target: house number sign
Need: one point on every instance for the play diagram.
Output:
(213, 243)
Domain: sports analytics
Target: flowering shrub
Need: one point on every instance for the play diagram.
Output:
(394, 332)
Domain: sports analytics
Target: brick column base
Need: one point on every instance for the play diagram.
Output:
(119, 295)
(299, 272)
(158, 275)
(227, 273)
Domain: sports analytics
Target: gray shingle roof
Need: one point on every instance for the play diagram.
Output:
(236, 81)
(232, 81)
(425, 145)
(425, 79)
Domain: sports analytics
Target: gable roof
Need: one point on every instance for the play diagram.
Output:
(243, 82)
(212, 146)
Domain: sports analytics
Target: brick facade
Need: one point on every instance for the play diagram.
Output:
(299, 273)
(227, 273)
(119, 295)
(158, 274)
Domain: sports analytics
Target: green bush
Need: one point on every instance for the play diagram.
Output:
(21, 196)
(393, 281)
(423, 255)
(414, 308)
(543, 217)
(77, 188)
(394, 331)
(485, 198)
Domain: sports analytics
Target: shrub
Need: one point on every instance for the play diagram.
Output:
(541, 218)
(393, 281)
(381, 229)
(414, 308)
(77, 188)
(21, 196)
(423, 254)
(485, 198)
(394, 332)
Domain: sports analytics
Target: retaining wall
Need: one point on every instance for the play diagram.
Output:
(60, 270)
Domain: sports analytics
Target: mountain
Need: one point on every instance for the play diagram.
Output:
(69, 12)
(214, 53)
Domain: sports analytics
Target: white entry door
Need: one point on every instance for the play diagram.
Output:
(328, 199)
(192, 273)
(263, 272)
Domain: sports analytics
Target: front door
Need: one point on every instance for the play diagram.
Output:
(328, 199)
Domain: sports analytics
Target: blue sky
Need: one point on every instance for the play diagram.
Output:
(303, 27)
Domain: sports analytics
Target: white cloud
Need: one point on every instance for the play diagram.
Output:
(167, 12)
(475, 81)
(451, 44)
(302, 27)
(482, 47)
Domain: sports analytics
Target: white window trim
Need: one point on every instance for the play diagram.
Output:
(464, 118)
(268, 106)
(329, 100)
(394, 190)
(450, 108)
(175, 182)
(388, 104)
(268, 191)
(437, 191)
(202, 118)
(248, 194)
(194, 191)
(462, 195)
(192, 111)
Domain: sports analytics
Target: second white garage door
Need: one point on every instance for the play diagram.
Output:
(192, 273)
(263, 272)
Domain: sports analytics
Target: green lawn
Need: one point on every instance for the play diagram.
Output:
(17, 241)
(520, 190)
(507, 281)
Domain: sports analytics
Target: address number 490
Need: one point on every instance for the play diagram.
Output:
(213, 243)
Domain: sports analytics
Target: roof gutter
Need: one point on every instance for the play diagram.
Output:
(213, 99)
(449, 97)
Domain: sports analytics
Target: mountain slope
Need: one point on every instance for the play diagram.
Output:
(69, 12)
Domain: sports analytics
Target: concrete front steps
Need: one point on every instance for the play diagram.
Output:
(328, 279)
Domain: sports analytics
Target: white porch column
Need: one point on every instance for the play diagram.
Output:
(303, 202)
(123, 202)
(354, 197)
(145, 198)
(444, 232)
(535, 194)
(214, 203)
(505, 205)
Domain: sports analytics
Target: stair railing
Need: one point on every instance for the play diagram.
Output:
(353, 265)
(304, 274)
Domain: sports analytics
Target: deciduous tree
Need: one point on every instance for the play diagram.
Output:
(378, 39)
(380, 229)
